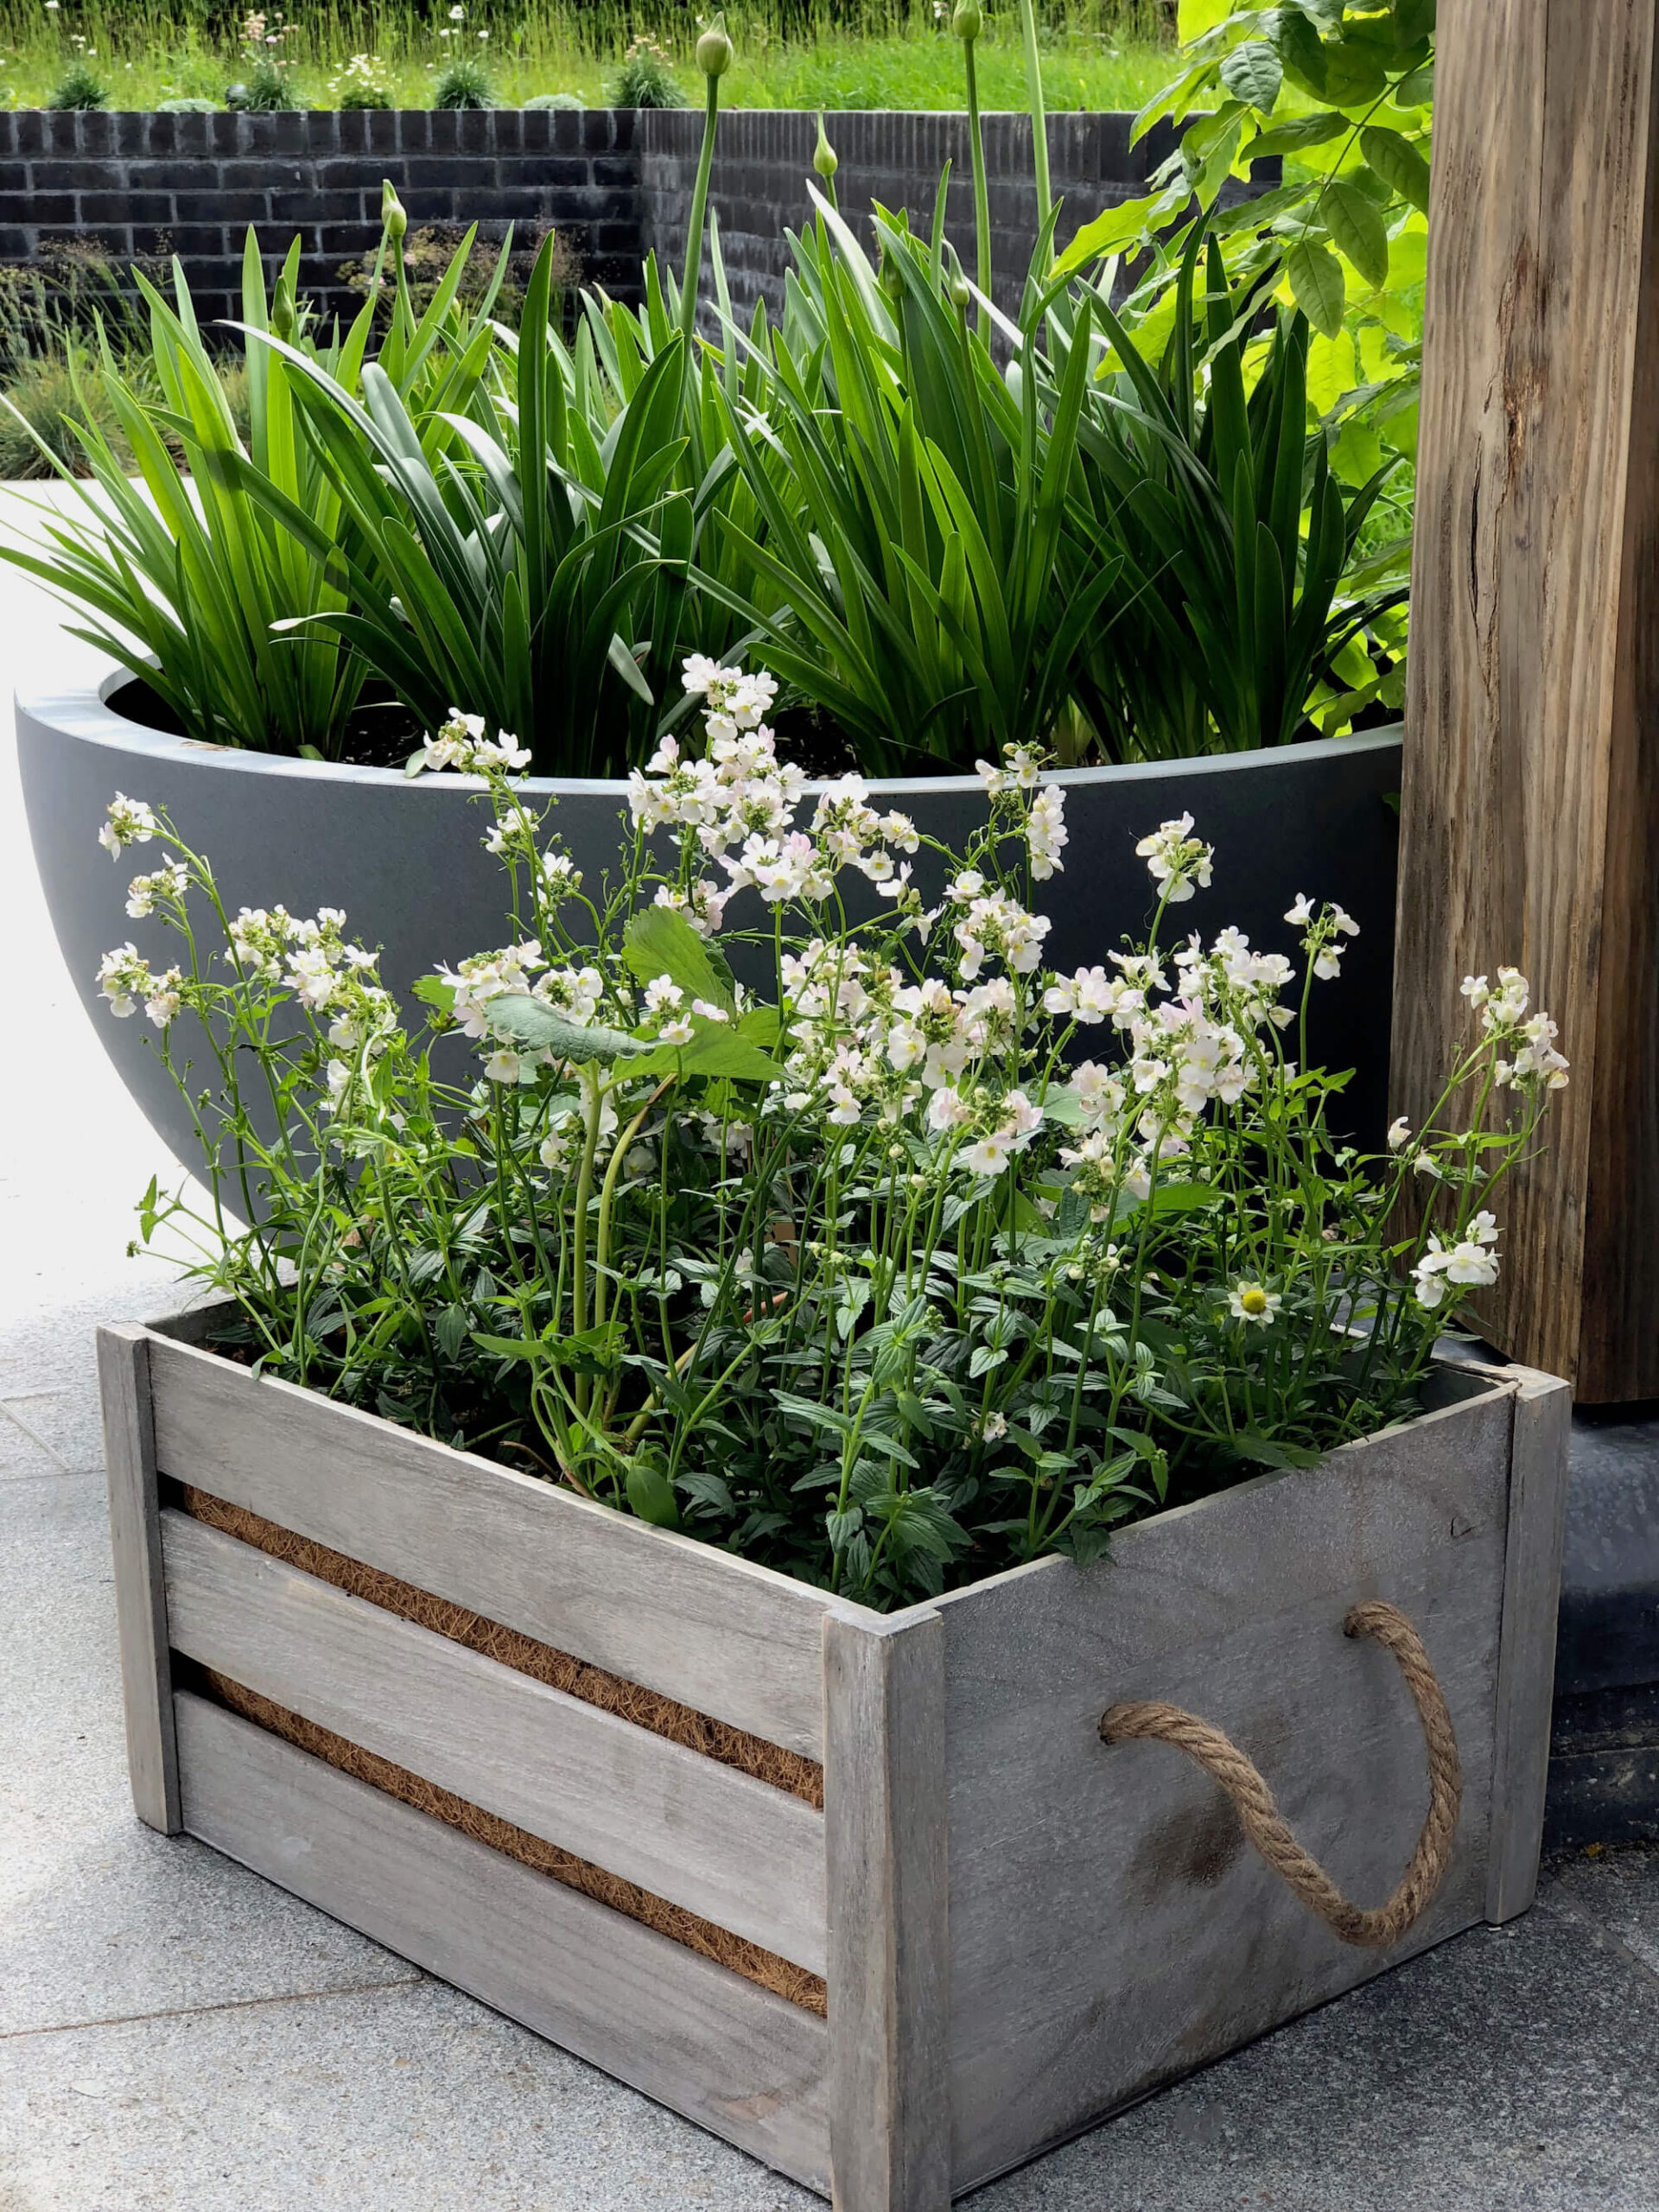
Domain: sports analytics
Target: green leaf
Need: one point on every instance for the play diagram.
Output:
(1413, 20)
(1117, 228)
(531, 1022)
(650, 1494)
(715, 1049)
(450, 1328)
(1301, 49)
(1182, 1198)
(1399, 164)
(433, 991)
(1298, 131)
(1354, 75)
(1416, 90)
(1315, 276)
(1252, 72)
(659, 942)
(1269, 1452)
(1355, 224)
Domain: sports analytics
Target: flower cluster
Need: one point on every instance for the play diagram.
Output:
(460, 744)
(1470, 1260)
(1504, 1017)
(130, 821)
(124, 979)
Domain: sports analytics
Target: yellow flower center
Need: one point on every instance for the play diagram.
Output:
(1253, 1299)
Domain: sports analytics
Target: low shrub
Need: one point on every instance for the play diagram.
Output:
(80, 87)
(464, 83)
(645, 78)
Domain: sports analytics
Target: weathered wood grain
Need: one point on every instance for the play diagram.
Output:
(730, 2056)
(889, 1978)
(1526, 1671)
(140, 1601)
(1110, 1929)
(1530, 801)
(742, 1854)
(712, 1630)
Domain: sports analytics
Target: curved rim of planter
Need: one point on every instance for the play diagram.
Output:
(84, 710)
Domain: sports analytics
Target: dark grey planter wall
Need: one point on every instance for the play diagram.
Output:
(614, 180)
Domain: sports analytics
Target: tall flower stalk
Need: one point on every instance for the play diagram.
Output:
(967, 22)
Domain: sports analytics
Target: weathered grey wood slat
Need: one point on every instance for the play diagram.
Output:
(712, 1630)
(1526, 1667)
(704, 1835)
(140, 1601)
(886, 1819)
(730, 2056)
(1109, 1928)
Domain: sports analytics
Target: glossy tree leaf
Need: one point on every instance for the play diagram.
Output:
(1416, 90)
(1398, 162)
(1315, 276)
(1253, 73)
(1301, 50)
(1355, 224)
(1298, 131)
(1354, 75)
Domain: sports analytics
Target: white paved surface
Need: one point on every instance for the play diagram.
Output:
(175, 2034)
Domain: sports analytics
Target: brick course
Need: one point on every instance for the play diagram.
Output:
(616, 181)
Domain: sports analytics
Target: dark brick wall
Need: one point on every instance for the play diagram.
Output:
(614, 182)
(763, 166)
(191, 185)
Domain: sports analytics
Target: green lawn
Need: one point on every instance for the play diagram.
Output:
(869, 54)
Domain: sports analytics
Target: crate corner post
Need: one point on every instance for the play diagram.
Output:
(140, 1590)
(1541, 1407)
(886, 1828)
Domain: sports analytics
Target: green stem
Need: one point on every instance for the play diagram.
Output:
(692, 275)
(981, 192)
(1038, 115)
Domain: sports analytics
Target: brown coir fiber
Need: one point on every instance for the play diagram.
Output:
(681, 1724)
(734, 1952)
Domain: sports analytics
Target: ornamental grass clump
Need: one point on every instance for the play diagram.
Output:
(773, 1188)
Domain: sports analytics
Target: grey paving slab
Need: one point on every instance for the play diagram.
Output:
(1516, 2069)
(64, 1423)
(22, 1454)
(411, 2098)
(1618, 1891)
(99, 1917)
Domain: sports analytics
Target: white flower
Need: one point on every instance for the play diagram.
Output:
(462, 745)
(1177, 862)
(1301, 913)
(709, 1012)
(1327, 963)
(123, 977)
(663, 993)
(130, 823)
(163, 999)
(986, 1155)
(169, 883)
(1398, 1132)
(1088, 996)
(948, 1110)
(504, 1066)
(1474, 988)
(1253, 1304)
(677, 1032)
(992, 1427)
(1046, 834)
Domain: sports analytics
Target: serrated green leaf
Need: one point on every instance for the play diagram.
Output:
(1356, 227)
(715, 1049)
(1253, 73)
(659, 942)
(1316, 283)
(433, 991)
(1398, 162)
(539, 1027)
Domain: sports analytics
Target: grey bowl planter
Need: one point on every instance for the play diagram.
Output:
(405, 861)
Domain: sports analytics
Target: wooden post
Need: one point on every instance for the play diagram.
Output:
(884, 1837)
(140, 1591)
(1530, 805)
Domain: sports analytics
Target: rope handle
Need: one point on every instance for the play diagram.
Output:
(1266, 1826)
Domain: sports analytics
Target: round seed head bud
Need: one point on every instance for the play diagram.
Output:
(714, 49)
(393, 219)
(961, 293)
(823, 155)
(968, 20)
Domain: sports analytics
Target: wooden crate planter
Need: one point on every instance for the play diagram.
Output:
(1020, 1928)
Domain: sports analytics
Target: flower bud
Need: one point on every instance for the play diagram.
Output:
(968, 21)
(393, 221)
(714, 49)
(961, 293)
(823, 155)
